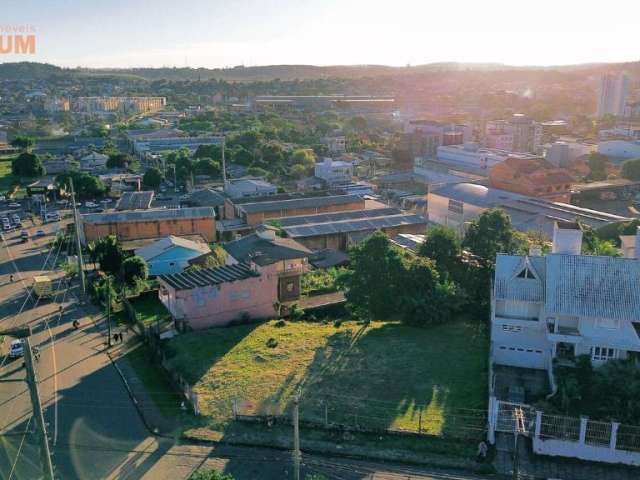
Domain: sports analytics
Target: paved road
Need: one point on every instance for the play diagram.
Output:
(95, 430)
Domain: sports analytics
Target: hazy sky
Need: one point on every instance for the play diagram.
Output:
(215, 33)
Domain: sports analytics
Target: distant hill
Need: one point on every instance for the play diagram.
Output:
(29, 70)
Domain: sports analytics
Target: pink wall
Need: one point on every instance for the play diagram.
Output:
(215, 306)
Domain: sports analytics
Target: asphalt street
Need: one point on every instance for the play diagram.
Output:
(94, 428)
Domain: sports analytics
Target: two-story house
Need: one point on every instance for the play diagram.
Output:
(564, 304)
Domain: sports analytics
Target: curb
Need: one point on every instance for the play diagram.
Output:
(134, 399)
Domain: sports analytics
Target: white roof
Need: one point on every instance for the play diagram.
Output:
(164, 244)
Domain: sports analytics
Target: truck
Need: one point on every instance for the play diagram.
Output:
(42, 286)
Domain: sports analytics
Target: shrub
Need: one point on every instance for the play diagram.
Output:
(280, 324)
(272, 343)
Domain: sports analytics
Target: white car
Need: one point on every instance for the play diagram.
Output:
(14, 205)
(91, 205)
(16, 349)
(62, 202)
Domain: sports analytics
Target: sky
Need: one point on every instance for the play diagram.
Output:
(215, 33)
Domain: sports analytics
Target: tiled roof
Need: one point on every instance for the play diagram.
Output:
(209, 276)
(509, 287)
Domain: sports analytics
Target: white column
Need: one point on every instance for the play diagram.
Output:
(614, 435)
(538, 424)
(583, 429)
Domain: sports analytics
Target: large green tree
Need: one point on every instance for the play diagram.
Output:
(598, 165)
(152, 178)
(134, 269)
(109, 254)
(374, 279)
(23, 142)
(27, 164)
(443, 246)
(631, 169)
(85, 185)
(119, 160)
(492, 233)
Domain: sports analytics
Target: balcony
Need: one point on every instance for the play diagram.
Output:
(563, 333)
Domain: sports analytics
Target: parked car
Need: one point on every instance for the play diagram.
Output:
(16, 349)
(91, 205)
(24, 236)
(14, 205)
(62, 202)
(40, 233)
(51, 217)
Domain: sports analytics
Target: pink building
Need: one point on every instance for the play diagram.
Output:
(215, 297)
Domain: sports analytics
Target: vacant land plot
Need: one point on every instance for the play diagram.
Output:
(381, 375)
(7, 180)
(149, 308)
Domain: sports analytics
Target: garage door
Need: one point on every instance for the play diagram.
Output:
(525, 357)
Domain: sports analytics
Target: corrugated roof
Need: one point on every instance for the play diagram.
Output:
(146, 215)
(160, 246)
(299, 203)
(357, 225)
(575, 285)
(265, 251)
(206, 197)
(209, 276)
(135, 201)
(338, 216)
(601, 287)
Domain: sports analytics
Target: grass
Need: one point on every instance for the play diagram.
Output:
(164, 396)
(384, 375)
(7, 179)
(150, 309)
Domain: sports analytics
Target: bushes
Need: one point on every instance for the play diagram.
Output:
(321, 281)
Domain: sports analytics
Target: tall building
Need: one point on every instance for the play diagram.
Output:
(613, 94)
(518, 134)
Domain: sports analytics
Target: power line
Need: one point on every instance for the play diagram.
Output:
(24, 435)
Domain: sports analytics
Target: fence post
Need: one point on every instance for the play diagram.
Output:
(583, 430)
(420, 421)
(614, 435)
(493, 411)
(538, 424)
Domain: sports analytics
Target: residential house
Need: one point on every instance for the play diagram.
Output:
(94, 162)
(334, 172)
(249, 187)
(564, 304)
(532, 176)
(171, 254)
(264, 248)
(215, 297)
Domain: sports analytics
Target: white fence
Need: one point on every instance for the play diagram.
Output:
(562, 436)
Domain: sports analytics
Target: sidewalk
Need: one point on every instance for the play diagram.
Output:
(146, 401)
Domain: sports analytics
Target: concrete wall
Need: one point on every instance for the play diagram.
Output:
(216, 306)
(152, 229)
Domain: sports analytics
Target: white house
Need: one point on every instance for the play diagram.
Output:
(564, 304)
(249, 187)
(334, 172)
(94, 162)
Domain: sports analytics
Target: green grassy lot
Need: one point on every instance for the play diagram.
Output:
(384, 375)
(149, 308)
(7, 180)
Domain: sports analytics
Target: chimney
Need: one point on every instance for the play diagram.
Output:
(567, 238)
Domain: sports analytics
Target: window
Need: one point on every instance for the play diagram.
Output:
(526, 273)
(511, 328)
(602, 354)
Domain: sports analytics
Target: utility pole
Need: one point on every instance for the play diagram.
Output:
(224, 168)
(109, 310)
(296, 437)
(77, 226)
(32, 382)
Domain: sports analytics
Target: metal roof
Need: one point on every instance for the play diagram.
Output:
(148, 215)
(209, 276)
(354, 225)
(135, 201)
(575, 285)
(164, 244)
(338, 216)
(265, 251)
(299, 203)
